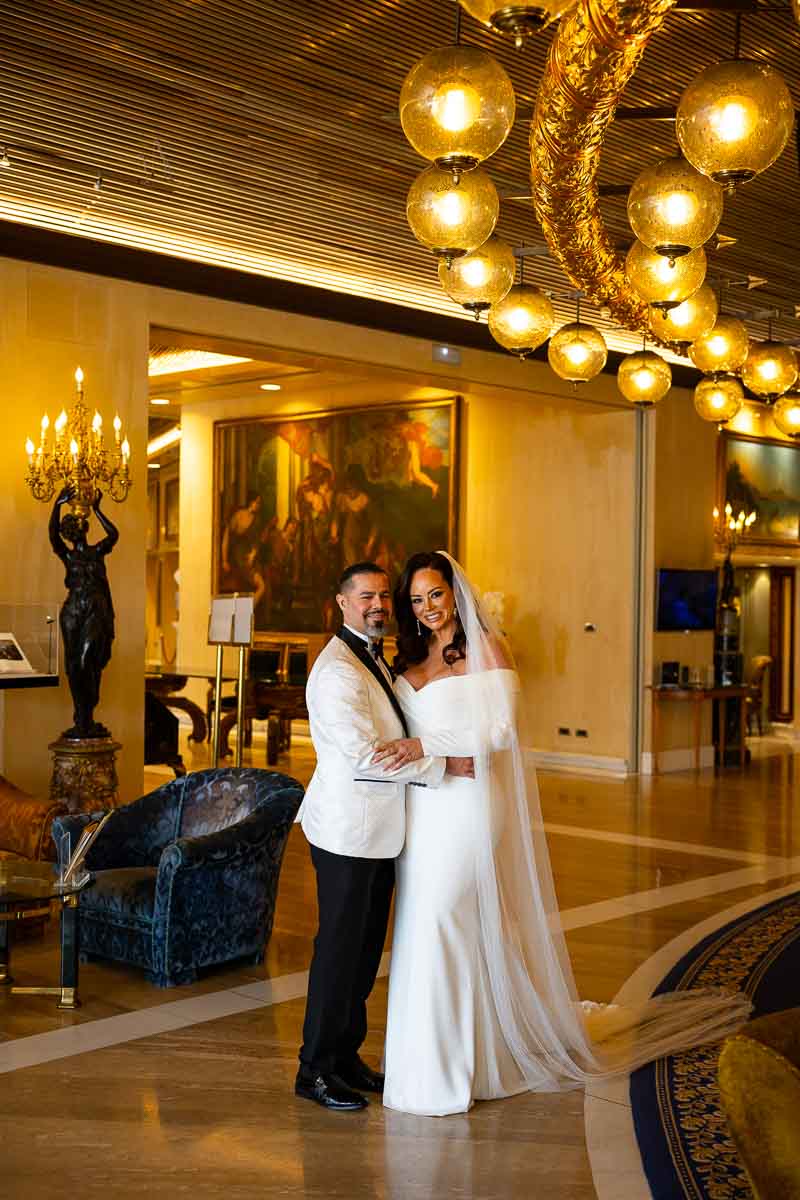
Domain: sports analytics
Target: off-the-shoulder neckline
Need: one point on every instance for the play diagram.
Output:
(450, 678)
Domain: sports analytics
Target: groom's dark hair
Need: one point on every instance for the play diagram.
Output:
(359, 568)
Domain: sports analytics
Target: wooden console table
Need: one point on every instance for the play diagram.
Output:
(164, 684)
(696, 697)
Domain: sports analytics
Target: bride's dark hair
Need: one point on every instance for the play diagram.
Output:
(412, 641)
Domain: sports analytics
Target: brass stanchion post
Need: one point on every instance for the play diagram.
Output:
(217, 709)
(240, 709)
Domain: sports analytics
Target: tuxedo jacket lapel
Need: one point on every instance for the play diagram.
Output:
(363, 655)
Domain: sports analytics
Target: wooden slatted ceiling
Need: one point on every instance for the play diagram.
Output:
(264, 136)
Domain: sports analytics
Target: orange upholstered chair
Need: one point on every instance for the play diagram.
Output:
(25, 823)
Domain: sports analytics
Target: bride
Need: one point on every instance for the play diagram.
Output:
(482, 1002)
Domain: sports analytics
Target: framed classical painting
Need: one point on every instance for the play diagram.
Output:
(762, 474)
(298, 498)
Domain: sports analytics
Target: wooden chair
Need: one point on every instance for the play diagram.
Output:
(755, 700)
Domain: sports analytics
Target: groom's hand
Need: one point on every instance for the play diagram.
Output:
(463, 767)
(390, 756)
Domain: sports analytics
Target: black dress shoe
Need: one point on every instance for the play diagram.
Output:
(357, 1074)
(328, 1090)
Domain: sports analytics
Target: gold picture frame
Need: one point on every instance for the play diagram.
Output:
(761, 474)
(299, 496)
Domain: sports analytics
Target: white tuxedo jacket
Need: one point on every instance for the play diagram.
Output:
(350, 806)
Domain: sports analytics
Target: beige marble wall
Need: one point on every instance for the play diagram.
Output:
(546, 518)
(547, 495)
(50, 322)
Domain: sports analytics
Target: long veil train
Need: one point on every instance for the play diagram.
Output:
(556, 1041)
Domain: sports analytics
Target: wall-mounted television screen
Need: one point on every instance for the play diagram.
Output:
(686, 600)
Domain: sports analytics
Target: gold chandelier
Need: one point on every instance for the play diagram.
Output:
(478, 280)
(522, 320)
(770, 369)
(661, 282)
(718, 398)
(519, 19)
(786, 415)
(672, 208)
(723, 349)
(644, 378)
(452, 219)
(457, 107)
(690, 320)
(734, 120)
(77, 457)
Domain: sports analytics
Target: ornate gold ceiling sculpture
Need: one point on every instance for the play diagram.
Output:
(593, 55)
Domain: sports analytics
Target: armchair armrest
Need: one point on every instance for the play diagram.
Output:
(136, 833)
(236, 841)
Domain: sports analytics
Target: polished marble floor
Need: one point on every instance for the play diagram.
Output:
(188, 1091)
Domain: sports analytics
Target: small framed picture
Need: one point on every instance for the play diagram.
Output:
(12, 660)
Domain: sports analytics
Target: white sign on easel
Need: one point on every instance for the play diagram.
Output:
(230, 623)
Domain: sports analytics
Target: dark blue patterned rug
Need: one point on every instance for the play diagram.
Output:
(682, 1134)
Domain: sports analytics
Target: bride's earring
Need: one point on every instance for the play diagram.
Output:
(419, 628)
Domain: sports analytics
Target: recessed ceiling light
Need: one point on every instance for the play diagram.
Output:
(270, 387)
(159, 400)
(154, 466)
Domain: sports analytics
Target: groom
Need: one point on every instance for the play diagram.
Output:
(353, 815)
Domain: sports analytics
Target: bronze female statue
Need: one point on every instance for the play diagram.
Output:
(87, 615)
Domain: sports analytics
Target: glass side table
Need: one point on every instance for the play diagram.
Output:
(27, 890)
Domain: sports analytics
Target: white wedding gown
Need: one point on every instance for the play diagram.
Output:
(482, 999)
(444, 1044)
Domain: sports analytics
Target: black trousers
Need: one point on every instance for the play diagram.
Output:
(354, 897)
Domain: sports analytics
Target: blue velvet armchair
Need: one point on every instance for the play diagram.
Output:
(187, 876)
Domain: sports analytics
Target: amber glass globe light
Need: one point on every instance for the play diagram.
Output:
(522, 320)
(452, 218)
(723, 349)
(672, 208)
(786, 414)
(480, 279)
(577, 352)
(718, 398)
(689, 320)
(457, 107)
(520, 18)
(770, 369)
(662, 283)
(734, 119)
(644, 378)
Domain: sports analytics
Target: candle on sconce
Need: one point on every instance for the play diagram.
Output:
(79, 381)
(61, 421)
(117, 428)
(126, 451)
(29, 449)
(97, 425)
(73, 449)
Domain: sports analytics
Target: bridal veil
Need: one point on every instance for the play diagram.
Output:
(556, 1041)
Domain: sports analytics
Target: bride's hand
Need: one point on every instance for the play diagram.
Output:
(390, 756)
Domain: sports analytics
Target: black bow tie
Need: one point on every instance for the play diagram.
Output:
(375, 646)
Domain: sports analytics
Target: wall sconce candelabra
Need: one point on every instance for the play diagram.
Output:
(729, 529)
(77, 457)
